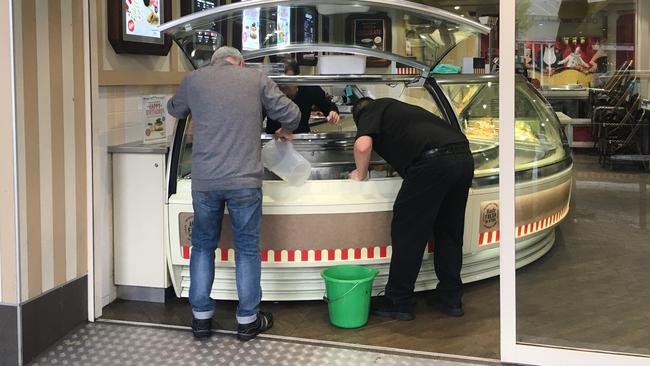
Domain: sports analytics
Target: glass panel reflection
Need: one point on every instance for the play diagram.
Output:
(422, 33)
(590, 290)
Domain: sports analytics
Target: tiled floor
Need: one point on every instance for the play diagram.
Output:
(101, 344)
(590, 290)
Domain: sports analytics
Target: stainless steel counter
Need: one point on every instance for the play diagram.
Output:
(137, 147)
(560, 93)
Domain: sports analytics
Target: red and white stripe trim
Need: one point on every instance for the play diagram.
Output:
(308, 255)
(493, 237)
(408, 71)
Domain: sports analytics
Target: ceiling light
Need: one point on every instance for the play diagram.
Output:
(456, 7)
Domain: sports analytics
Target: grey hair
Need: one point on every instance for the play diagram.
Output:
(224, 52)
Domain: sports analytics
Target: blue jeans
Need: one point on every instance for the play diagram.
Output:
(245, 211)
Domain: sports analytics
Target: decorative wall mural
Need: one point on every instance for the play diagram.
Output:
(584, 54)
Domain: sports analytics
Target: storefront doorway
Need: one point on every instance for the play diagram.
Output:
(545, 194)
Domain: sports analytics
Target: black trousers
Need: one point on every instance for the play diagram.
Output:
(432, 200)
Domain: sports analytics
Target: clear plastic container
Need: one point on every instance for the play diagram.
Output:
(283, 160)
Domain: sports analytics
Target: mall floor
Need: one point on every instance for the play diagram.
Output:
(103, 344)
(590, 290)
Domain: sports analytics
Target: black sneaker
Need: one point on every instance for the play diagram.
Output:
(452, 310)
(383, 306)
(450, 304)
(246, 332)
(201, 328)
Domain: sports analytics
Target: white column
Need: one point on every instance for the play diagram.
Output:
(507, 15)
(642, 49)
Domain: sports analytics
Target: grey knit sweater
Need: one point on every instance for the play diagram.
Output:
(226, 103)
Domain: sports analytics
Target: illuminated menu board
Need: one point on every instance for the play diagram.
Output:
(283, 30)
(141, 19)
(309, 28)
(200, 5)
(250, 37)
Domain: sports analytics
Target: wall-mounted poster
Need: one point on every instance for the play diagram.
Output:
(567, 60)
(372, 31)
(155, 127)
(142, 18)
(133, 26)
(283, 31)
(250, 36)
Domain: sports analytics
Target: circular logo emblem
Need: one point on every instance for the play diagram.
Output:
(187, 224)
(490, 215)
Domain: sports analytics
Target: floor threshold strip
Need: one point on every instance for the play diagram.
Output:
(317, 342)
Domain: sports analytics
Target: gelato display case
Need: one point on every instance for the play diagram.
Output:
(331, 220)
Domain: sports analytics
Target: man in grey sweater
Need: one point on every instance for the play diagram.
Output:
(226, 102)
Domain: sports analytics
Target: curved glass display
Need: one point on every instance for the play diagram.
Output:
(329, 147)
(422, 35)
(540, 142)
(538, 134)
(398, 42)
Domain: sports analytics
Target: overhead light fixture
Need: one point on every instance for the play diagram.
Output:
(456, 7)
(462, 15)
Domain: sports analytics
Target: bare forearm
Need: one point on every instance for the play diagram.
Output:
(362, 153)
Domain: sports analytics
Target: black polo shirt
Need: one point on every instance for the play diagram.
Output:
(401, 132)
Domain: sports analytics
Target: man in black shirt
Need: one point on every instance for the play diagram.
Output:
(305, 97)
(437, 168)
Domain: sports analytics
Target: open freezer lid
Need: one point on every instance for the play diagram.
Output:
(411, 34)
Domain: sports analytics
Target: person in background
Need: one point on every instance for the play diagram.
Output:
(226, 101)
(305, 97)
(437, 167)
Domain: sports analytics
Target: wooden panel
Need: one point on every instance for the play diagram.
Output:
(326, 231)
(7, 169)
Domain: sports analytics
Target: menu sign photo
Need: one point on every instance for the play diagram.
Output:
(250, 37)
(371, 32)
(155, 127)
(141, 20)
(133, 26)
(284, 26)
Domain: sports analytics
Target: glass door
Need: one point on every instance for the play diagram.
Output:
(584, 197)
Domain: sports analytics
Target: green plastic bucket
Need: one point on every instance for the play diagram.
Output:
(348, 294)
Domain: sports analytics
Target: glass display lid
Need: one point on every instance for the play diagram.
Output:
(539, 140)
(413, 35)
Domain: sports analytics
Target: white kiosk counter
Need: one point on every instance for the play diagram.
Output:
(331, 220)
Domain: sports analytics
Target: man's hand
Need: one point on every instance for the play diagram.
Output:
(356, 175)
(333, 118)
(284, 135)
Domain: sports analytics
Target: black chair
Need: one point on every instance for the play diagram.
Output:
(621, 135)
